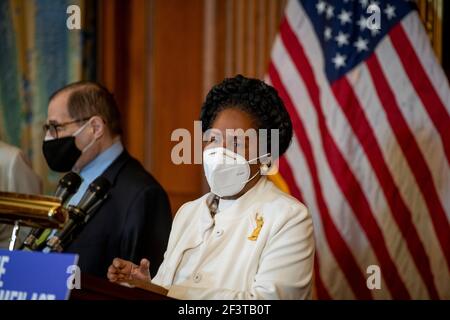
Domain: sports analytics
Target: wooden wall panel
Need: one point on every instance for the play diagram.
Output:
(122, 59)
(176, 93)
(244, 31)
(160, 57)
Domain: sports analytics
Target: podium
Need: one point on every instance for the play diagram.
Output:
(31, 210)
(93, 288)
(47, 212)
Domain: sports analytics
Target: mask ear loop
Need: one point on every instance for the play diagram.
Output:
(80, 129)
(249, 161)
(258, 172)
(90, 144)
(251, 178)
(263, 156)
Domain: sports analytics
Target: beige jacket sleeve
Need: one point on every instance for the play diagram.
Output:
(16, 175)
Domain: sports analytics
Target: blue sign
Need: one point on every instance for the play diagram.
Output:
(36, 276)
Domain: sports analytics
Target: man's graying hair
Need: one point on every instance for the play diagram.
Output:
(88, 99)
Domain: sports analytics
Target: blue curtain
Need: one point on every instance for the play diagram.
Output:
(38, 55)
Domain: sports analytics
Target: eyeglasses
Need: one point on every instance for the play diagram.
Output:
(53, 128)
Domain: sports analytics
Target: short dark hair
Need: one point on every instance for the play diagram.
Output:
(88, 99)
(256, 98)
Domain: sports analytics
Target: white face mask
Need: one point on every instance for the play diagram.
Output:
(226, 172)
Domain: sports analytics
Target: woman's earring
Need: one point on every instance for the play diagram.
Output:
(264, 169)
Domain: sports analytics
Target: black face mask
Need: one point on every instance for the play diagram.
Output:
(61, 154)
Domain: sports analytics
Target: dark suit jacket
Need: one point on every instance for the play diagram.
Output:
(134, 222)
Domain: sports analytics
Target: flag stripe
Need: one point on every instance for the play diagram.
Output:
(322, 292)
(402, 215)
(417, 163)
(343, 174)
(352, 234)
(418, 120)
(398, 167)
(371, 146)
(339, 128)
(331, 274)
(286, 172)
(425, 90)
(421, 43)
(431, 149)
(342, 213)
(441, 120)
(341, 252)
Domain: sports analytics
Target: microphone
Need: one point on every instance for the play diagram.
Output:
(67, 187)
(78, 215)
(94, 196)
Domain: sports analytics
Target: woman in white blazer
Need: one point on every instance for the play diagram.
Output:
(245, 239)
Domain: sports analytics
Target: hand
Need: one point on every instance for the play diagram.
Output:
(126, 271)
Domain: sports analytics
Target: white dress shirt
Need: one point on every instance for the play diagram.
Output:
(95, 168)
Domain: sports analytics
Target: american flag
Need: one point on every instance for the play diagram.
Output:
(371, 152)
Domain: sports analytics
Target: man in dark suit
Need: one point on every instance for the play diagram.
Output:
(83, 135)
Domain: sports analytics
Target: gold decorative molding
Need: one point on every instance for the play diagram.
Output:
(430, 12)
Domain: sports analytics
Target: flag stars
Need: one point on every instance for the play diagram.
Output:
(330, 12)
(339, 61)
(341, 39)
(364, 3)
(350, 30)
(389, 11)
(374, 31)
(362, 23)
(375, 3)
(361, 44)
(321, 6)
(327, 33)
(344, 17)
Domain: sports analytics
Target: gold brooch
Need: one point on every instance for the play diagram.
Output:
(255, 233)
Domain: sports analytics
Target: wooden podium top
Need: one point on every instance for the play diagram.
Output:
(93, 288)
